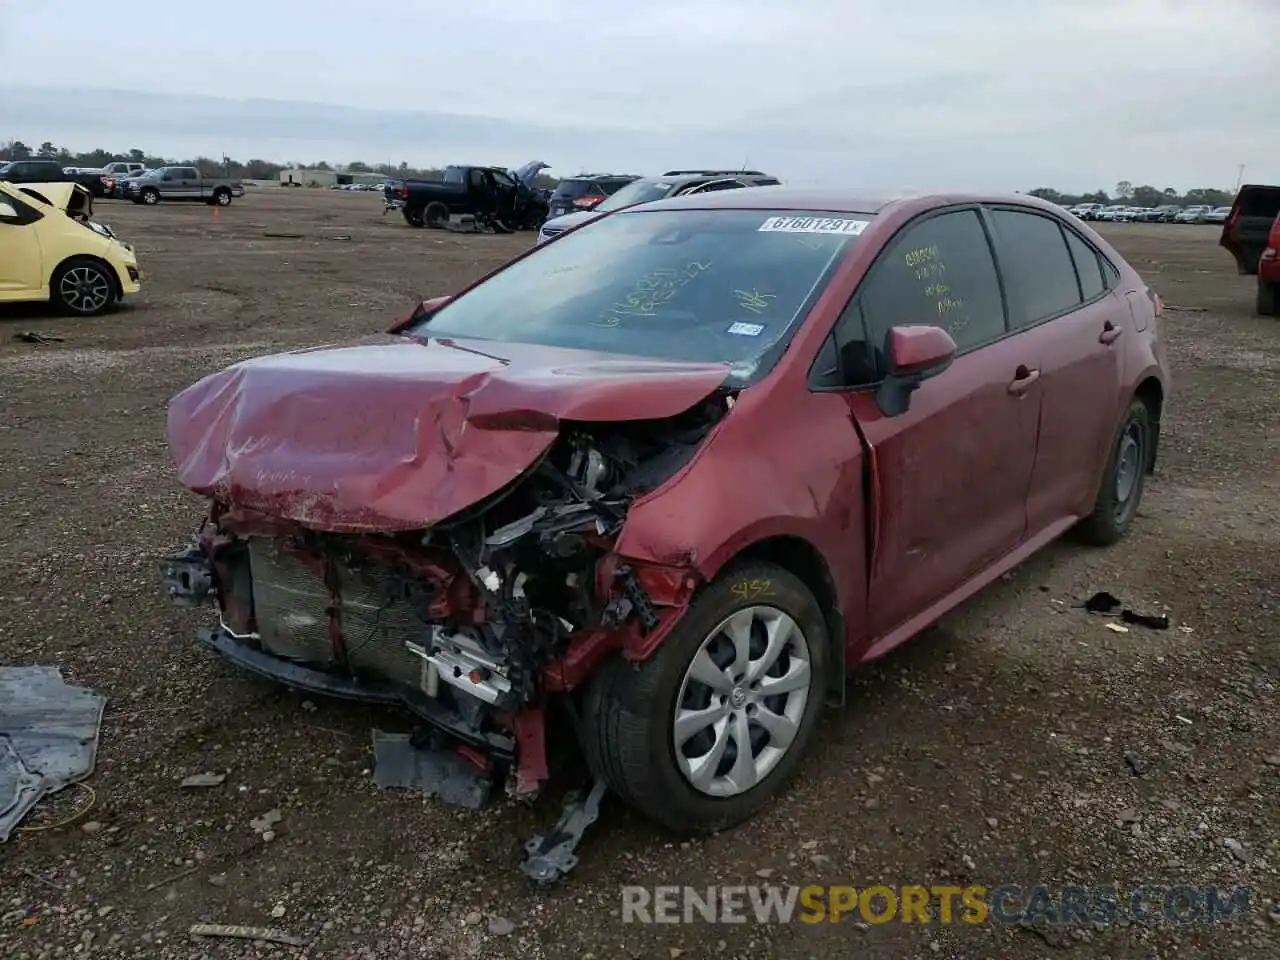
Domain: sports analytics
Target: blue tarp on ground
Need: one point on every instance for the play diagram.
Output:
(48, 738)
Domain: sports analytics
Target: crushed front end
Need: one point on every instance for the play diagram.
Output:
(481, 623)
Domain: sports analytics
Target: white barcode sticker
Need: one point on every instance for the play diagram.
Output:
(840, 226)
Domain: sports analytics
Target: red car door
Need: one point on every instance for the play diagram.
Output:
(1062, 294)
(952, 471)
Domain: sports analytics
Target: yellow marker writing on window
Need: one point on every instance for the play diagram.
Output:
(651, 291)
(754, 300)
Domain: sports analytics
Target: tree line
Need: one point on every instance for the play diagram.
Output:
(1143, 196)
(1125, 191)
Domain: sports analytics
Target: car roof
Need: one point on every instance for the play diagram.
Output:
(840, 201)
(692, 176)
(602, 176)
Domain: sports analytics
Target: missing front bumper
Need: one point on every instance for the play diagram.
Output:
(321, 682)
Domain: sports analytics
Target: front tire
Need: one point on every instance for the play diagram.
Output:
(83, 287)
(222, 198)
(150, 196)
(1124, 479)
(702, 735)
(1268, 299)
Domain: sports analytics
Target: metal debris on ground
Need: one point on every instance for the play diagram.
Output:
(265, 822)
(31, 336)
(203, 780)
(48, 738)
(268, 934)
(402, 762)
(550, 856)
(1106, 604)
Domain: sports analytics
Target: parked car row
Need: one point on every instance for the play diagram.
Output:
(637, 190)
(1165, 213)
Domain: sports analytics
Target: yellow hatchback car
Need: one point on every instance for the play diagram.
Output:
(51, 249)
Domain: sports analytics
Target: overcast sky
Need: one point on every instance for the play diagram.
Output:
(1076, 94)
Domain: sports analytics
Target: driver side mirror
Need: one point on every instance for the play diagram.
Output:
(915, 353)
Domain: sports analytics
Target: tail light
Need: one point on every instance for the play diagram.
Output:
(1270, 254)
(404, 190)
(587, 202)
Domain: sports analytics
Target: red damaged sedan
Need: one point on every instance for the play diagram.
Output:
(652, 489)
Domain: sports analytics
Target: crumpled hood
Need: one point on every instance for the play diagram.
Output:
(530, 170)
(393, 433)
(60, 194)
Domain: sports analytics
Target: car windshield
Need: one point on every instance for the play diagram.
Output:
(638, 191)
(693, 285)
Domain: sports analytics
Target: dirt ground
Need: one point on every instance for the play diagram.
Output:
(991, 750)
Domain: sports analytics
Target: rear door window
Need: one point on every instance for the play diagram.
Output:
(1037, 264)
(939, 272)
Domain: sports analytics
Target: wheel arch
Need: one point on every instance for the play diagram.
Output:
(801, 558)
(100, 261)
(1151, 392)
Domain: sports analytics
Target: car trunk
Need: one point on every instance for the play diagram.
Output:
(1248, 225)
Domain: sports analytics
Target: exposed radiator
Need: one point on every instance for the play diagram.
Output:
(291, 605)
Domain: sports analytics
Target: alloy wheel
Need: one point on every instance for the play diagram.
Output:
(85, 289)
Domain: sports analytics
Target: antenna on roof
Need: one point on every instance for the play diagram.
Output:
(746, 161)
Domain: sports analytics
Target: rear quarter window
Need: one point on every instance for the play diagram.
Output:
(572, 189)
(1089, 267)
(1260, 202)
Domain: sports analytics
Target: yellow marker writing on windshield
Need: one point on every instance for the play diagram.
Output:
(754, 300)
(653, 290)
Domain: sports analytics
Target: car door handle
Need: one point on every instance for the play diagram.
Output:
(1110, 333)
(1022, 380)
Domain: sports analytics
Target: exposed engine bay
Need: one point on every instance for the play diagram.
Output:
(471, 622)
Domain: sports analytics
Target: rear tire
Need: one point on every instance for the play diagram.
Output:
(413, 218)
(436, 215)
(83, 287)
(1122, 484)
(1268, 299)
(629, 713)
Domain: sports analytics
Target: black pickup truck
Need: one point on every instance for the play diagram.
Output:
(502, 199)
(51, 171)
